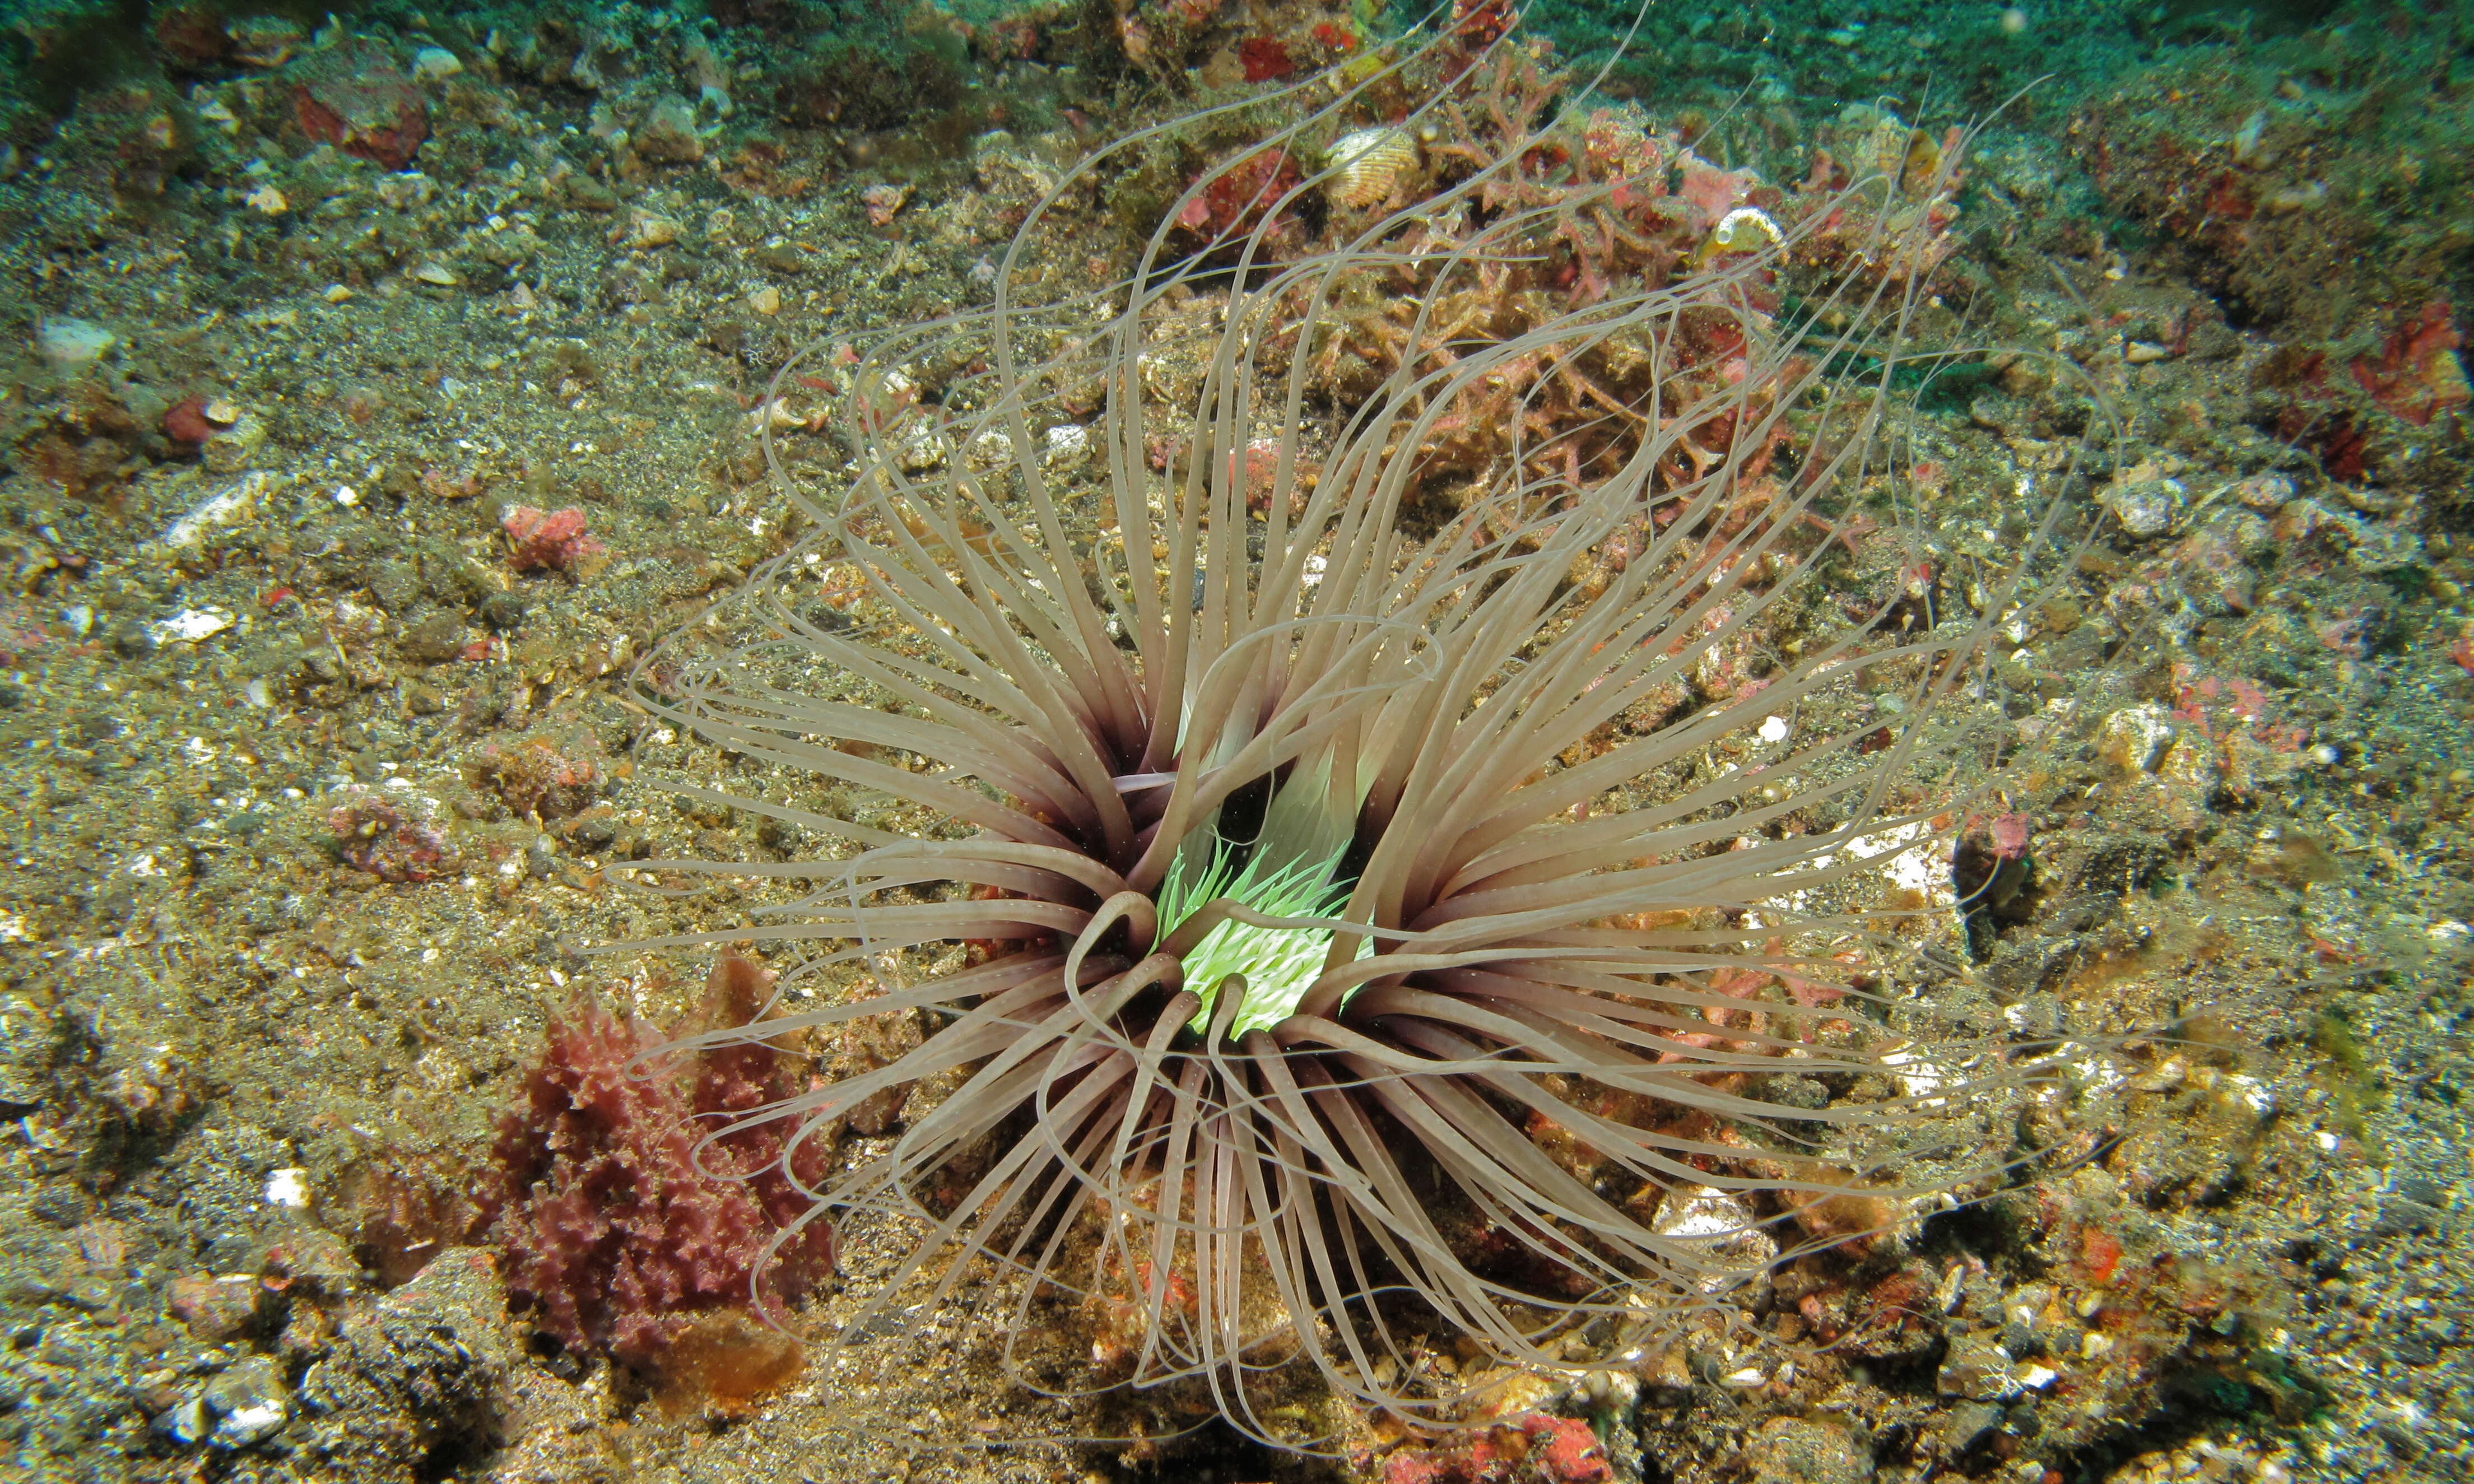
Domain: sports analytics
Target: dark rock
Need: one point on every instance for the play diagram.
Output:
(1976, 1369)
(1787, 1091)
(2083, 912)
(503, 612)
(2023, 967)
(2423, 1190)
(435, 640)
(422, 1369)
(2399, 1216)
(667, 134)
(2119, 863)
(1967, 1426)
(30, 1041)
(60, 1205)
(396, 585)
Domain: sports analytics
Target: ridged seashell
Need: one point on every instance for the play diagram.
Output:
(1911, 156)
(1368, 164)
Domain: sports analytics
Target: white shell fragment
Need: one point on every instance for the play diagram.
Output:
(190, 625)
(229, 505)
(1067, 442)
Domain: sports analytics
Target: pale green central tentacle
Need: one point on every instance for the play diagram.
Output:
(1278, 963)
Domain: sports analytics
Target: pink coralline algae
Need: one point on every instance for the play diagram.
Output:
(2417, 374)
(1990, 862)
(547, 540)
(537, 777)
(1549, 1449)
(399, 840)
(622, 1234)
(354, 98)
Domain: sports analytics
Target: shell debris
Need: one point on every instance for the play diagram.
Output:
(1368, 167)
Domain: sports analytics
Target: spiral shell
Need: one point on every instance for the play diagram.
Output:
(1368, 165)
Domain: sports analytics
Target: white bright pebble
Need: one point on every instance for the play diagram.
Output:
(71, 344)
(189, 626)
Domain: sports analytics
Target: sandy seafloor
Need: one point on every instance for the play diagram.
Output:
(314, 799)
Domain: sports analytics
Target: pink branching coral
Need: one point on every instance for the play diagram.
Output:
(1504, 229)
(622, 1226)
(1504, 218)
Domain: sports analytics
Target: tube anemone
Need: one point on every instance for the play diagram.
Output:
(1328, 855)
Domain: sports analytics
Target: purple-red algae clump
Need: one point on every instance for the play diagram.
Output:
(627, 1231)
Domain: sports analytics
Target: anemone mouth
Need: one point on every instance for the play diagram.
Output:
(1372, 930)
(1267, 936)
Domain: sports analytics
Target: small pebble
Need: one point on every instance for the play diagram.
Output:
(2144, 507)
(249, 1403)
(431, 64)
(646, 229)
(883, 201)
(667, 134)
(73, 345)
(2266, 490)
(284, 1187)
